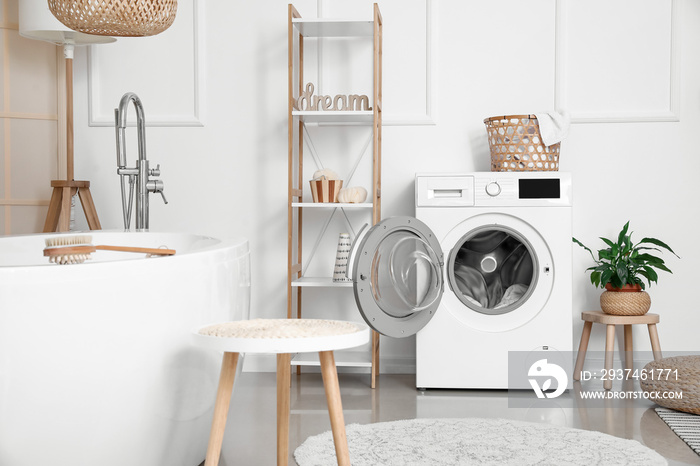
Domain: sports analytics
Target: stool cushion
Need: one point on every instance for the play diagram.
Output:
(282, 335)
(279, 328)
(686, 381)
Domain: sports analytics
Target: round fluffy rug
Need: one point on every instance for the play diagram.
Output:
(447, 442)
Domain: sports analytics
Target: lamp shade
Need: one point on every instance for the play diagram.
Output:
(123, 18)
(37, 22)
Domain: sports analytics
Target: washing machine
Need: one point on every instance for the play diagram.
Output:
(483, 270)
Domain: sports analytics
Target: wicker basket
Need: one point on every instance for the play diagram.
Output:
(620, 303)
(122, 18)
(687, 381)
(516, 145)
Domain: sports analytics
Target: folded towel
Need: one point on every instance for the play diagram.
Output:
(553, 126)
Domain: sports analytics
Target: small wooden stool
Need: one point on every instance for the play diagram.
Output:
(281, 336)
(589, 317)
(58, 215)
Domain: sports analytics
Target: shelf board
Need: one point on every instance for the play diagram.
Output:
(342, 205)
(320, 282)
(335, 116)
(320, 27)
(342, 359)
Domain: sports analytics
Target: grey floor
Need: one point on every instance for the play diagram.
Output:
(251, 429)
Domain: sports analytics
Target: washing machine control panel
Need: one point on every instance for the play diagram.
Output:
(493, 189)
(515, 189)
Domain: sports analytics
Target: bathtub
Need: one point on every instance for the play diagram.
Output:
(96, 361)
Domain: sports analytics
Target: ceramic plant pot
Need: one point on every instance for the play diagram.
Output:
(630, 300)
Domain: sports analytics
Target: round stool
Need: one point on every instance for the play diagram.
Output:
(283, 337)
(591, 317)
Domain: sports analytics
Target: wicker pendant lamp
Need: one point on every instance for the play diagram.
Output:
(122, 18)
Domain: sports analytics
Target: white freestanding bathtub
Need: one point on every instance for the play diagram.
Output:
(96, 361)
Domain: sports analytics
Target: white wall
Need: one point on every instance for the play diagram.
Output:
(448, 65)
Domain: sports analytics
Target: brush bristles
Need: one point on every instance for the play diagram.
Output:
(68, 241)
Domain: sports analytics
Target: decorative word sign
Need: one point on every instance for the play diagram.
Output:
(309, 102)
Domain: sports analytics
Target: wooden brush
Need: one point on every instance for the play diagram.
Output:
(77, 249)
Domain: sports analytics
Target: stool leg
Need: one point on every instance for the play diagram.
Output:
(655, 345)
(609, 352)
(582, 348)
(335, 407)
(64, 216)
(54, 211)
(629, 359)
(223, 400)
(89, 209)
(284, 374)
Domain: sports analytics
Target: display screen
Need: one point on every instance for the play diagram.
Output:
(539, 188)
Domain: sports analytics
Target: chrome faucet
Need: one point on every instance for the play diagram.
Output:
(139, 175)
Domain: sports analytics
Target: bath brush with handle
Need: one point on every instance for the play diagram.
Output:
(77, 249)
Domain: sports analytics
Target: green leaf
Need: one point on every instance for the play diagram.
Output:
(595, 279)
(644, 248)
(649, 273)
(605, 254)
(649, 258)
(615, 250)
(658, 243)
(605, 277)
(622, 273)
(607, 241)
(616, 282)
(584, 247)
(623, 233)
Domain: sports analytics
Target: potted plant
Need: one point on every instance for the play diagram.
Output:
(621, 269)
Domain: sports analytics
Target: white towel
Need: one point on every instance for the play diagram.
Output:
(553, 126)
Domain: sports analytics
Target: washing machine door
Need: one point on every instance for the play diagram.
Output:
(396, 268)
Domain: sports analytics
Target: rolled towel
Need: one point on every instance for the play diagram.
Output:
(554, 126)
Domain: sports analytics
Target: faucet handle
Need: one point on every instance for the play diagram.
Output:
(155, 171)
(156, 186)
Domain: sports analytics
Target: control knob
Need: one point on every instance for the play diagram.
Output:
(493, 189)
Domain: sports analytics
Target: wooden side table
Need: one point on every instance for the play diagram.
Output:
(283, 337)
(590, 317)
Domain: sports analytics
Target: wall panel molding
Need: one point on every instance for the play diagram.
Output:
(425, 114)
(562, 79)
(102, 113)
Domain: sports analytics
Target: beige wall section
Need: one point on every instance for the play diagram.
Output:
(30, 76)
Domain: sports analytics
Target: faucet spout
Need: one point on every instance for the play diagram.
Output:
(120, 123)
(141, 173)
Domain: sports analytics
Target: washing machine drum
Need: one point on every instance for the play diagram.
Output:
(492, 270)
